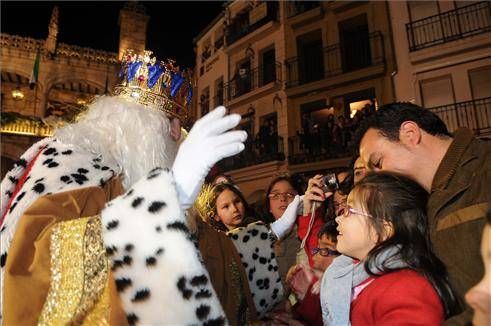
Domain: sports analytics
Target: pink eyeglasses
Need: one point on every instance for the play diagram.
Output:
(346, 211)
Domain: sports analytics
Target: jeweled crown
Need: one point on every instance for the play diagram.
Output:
(153, 83)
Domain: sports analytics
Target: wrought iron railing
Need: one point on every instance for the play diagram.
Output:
(241, 25)
(294, 8)
(249, 81)
(475, 115)
(358, 53)
(205, 106)
(315, 148)
(219, 42)
(206, 54)
(256, 151)
(218, 99)
(448, 26)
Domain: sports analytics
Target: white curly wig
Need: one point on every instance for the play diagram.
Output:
(135, 137)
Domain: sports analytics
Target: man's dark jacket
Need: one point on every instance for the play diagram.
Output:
(459, 199)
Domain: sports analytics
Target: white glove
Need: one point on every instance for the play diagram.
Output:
(207, 143)
(284, 224)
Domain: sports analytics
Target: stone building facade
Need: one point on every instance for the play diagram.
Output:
(69, 77)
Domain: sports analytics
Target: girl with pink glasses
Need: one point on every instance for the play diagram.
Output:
(387, 273)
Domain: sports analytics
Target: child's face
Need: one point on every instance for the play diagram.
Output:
(277, 206)
(230, 209)
(479, 297)
(356, 236)
(321, 261)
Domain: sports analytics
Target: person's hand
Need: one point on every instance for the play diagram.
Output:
(314, 193)
(301, 280)
(208, 142)
(284, 224)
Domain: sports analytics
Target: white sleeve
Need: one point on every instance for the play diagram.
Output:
(155, 263)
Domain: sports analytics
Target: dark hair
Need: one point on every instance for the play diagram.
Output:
(216, 191)
(488, 215)
(394, 198)
(329, 229)
(346, 185)
(388, 119)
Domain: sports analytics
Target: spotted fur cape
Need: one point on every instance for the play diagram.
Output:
(155, 263)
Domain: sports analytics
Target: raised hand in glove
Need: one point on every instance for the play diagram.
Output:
(208, 142)
(284, 224)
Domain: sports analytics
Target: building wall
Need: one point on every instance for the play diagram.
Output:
(453, 58)
(284, 101)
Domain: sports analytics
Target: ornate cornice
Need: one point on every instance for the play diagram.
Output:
(63, 50)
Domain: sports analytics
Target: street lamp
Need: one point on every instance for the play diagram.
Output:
(17, 94)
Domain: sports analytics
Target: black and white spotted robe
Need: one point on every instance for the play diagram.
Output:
(156, 265)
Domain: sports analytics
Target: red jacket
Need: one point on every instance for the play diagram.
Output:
(398, 298)
(309, 309)
(303, 226)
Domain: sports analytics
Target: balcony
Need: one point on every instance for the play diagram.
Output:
(452, 25)
(294, 8)
(475, 115)
(337, 59)
(17, 124)
(315, 148)
(250, 20)
(218, 98)
(256, 152)
(204, 105)
(219, 42)
(258, 77)
(206, 54)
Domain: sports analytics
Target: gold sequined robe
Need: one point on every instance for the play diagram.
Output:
(57, 271)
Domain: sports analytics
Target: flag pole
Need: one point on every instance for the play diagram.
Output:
(36, 98)
(35, 76)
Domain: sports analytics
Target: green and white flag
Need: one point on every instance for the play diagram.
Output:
(35, 71)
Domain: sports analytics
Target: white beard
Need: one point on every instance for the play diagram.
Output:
(135, 137)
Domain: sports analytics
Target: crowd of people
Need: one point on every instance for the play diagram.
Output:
(333, 137)
(394, 238)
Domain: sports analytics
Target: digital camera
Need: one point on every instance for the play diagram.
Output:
(330, 182)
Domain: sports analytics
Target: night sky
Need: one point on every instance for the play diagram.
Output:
(170, 32)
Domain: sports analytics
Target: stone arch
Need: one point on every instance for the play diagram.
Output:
(13, 79)
(67, 96)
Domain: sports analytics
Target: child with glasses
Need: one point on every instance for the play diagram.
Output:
(304, 280)
(280, 194)
(387, 272)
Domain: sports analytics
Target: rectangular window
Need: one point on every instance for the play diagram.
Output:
(480, 80)
(204, 101)
(422, 9)
(218, 92)
(310, 57)
(437, 91)
(268, 67)
(354, 43)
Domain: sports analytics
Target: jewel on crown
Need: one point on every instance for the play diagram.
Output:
(157, 84)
